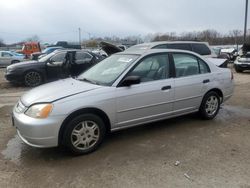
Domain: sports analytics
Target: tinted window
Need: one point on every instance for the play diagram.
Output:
(203, 67)
(179, 46)
(58, 57)
(161, 46)
(82, 57)
(151, 68)
(185, 65)
(201, 49)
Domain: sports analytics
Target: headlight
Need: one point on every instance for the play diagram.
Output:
(39, 111)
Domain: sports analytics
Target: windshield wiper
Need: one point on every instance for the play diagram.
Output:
(87, 80)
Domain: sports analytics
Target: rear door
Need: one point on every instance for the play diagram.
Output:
(83, 61)
(150, 100)
(191, 82)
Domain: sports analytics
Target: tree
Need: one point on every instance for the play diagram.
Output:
(33, 38)
(2, 44)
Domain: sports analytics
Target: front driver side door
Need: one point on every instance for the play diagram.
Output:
(150, 100)
(54, 66)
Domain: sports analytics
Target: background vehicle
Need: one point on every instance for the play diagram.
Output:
(66, 44)
(242, 63)
(56, 65)
(29, 48)
(46, 51)
(201, 48)
(124, 90)
(8, 57)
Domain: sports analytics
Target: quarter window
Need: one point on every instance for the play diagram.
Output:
(82, 58)
(203, 67)
(152, 68)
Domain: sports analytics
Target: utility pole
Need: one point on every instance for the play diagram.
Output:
(245, 28)
(80, 40)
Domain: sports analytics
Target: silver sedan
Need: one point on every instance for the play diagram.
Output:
(8, 58)
(124, 90)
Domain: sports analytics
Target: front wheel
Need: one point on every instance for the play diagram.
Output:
(84, 134)
(210, 105)
(32, 79)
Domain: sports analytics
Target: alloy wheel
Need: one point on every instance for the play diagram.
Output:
(85, 135)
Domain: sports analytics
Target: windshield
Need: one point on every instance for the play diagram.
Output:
(108, 70)
(45, 58)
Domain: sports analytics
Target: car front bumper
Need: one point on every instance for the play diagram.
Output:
(243, 66)
(42, 133)
(14, 77)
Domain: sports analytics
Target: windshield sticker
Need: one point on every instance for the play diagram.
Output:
(125, 60)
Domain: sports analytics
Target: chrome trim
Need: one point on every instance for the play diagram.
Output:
(157, 104)
(151, 121)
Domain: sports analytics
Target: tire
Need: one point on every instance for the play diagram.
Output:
(237, 69)
(210, 105)
(83, 134)
(14, 61)
(33, 78)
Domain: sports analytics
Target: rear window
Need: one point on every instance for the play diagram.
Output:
(201, 49)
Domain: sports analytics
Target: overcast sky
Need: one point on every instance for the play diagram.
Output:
(54, 20)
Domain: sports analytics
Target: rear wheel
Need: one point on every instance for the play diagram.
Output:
(210, 105)
(32, 79)
(84, 134)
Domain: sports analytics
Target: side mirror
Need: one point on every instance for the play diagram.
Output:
(131, 80)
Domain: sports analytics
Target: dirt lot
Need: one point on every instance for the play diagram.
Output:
(211, 153)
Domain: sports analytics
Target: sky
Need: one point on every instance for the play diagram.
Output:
(54, 20)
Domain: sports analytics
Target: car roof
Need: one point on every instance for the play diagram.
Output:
(152, 51)
(153, 44)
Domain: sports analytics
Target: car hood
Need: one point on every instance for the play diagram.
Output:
(22, 64)
(109, 48)
(56, 90)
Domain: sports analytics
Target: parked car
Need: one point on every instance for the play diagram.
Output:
(66, 44)
(8, 58)
(29, 48)
(242, 63)
(46, 51)
(56, 65)
(201, 48)
(124, 90)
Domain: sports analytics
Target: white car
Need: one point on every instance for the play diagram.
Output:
(124, 90)
(201, 48)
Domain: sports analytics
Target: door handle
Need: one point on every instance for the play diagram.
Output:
(165, 88)
(206, 81)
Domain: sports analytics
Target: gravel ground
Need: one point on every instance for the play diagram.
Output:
(209, 153)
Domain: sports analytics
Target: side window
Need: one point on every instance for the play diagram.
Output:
(203, 67)
(152, 68)
(82, 57)
(161, 46)
(5, 54)
(58, 57)
(185, 65)
(201, 49)
(180, 46)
